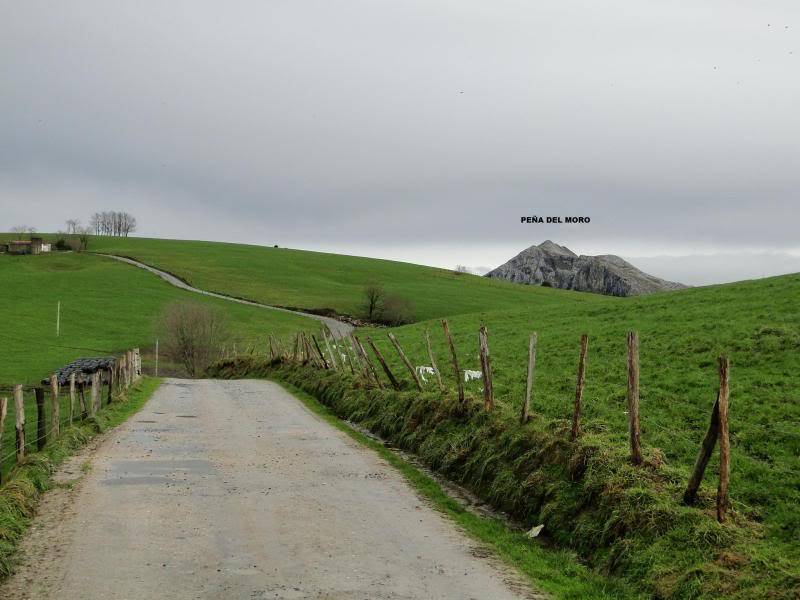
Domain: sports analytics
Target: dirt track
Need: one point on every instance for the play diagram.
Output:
(233, 489)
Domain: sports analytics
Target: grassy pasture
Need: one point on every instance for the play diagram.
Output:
(106, 307)
(314, 280)
(757, 323)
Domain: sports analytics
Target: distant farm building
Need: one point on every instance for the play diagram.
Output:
(35, 245)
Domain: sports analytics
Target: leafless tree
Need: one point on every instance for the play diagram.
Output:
(112, 222)
(192, 335)
(23, 229)
(72, 226)
(397, 310)
(461, 269)
(372, 301)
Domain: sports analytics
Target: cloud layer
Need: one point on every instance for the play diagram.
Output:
(405, 125)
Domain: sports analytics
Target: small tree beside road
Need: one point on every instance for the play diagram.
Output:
(192, 335)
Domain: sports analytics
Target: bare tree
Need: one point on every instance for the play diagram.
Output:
(112, 222)
(72, 226)
(373, 298)
(192, 335)
(461, 269)
(23, 229)
(397, 310)
(94, 223)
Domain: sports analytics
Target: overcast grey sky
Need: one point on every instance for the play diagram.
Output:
(416, 130)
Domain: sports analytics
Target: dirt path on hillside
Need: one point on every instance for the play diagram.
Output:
(233, 489)
(339, 329)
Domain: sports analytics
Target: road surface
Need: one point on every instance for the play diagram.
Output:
(233, 489)
(339, 329)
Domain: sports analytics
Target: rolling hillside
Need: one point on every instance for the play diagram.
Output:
(755, 322)
(316, 280)
(105, 307)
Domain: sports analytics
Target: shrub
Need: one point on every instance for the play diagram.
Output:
(192, 335)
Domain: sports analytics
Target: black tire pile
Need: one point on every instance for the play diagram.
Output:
(82, 367)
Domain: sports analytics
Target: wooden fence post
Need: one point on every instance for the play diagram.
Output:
(3, 413)
(110, 385)
(634, 428)
(123, 369)
(405, 360)
(724, 441)
(71, 397)
(369, 368)
(95, 393)
(486, 368)
(456, 370)
(356, 357)
(576, 414)
(41, 426)
(379, 356)
(320, 353)
(55, 408)
(703, 456)
(82, 397)
(433, 361)
(19, 414)
(526, 406)
(271, 347)
(331, 353)
(351, 361)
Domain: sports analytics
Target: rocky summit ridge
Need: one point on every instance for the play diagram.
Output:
(557, 266)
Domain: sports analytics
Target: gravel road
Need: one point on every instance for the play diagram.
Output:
(338, 328)
(233, 489)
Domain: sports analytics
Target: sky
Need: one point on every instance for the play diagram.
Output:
(415, 130)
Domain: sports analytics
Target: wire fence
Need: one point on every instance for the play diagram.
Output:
(31, 416)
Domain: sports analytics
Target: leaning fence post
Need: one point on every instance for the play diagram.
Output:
(703, 456)
(55, 408)
(634, 428)
(41, 426)
(724, 441)
(486, 368)
(433, 361)
(334, 362)
(19, 415)
(457, 371)
(369, 368)
(576, 414)
(320, 353)
(71, 397)
(382, 361)
(3, 413)
(405, 360)
(526, 407)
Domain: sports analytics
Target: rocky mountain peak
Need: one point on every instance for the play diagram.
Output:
(558, 266)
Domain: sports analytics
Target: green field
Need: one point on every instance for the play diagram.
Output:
(756, 323)
(315, 280)
(106, 307)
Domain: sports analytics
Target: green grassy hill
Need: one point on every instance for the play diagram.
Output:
(109, 306)
(106, 307)
(756, 323)
(315, 280)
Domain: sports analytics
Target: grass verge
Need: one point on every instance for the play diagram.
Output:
(556, 572)
(620, 520)
(20, 495)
